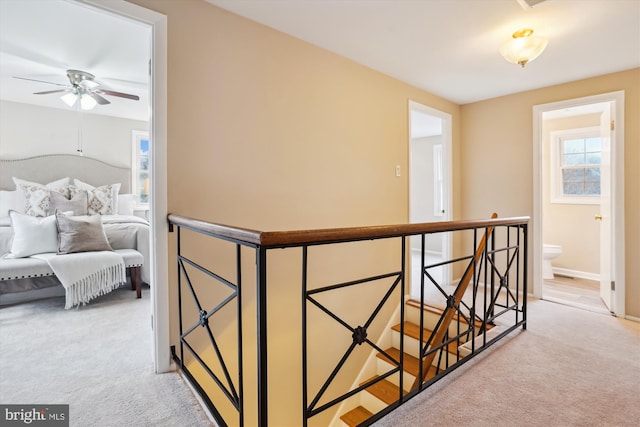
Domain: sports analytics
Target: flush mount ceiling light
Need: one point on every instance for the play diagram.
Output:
(523, 47)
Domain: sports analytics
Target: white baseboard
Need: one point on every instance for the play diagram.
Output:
(575, 273)
(632, 318)
(427, 251)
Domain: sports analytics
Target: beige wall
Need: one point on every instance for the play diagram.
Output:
(269, 132)
(571, 226)
(266, 131)
(497, 160)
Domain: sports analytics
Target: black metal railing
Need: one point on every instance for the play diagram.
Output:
(487, 302)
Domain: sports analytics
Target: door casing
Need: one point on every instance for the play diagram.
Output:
(617, 192)
(447, 142)
(158, 158)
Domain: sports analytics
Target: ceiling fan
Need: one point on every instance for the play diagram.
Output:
(84, 88)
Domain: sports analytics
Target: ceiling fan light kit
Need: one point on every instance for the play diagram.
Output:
(523, 47)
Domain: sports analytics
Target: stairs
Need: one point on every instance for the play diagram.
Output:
(386, 392)
(433, 362)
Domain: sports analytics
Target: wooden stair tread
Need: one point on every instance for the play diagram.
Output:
(356, 416)
(411, 364)
(412, 330)
(384, 390)
(438, 310)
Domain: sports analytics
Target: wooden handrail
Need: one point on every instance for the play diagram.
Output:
(334, 235)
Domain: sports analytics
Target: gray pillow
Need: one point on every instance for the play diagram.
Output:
(81, 234)
(77, 204)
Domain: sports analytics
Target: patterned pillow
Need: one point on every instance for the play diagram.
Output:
(100, 202)
(99, 199)
(37, 197)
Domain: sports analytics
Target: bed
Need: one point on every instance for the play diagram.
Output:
(126, 233)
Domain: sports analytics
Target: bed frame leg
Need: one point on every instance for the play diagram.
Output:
(136, 280)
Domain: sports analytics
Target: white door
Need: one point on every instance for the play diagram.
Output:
(605, 209)
(429, 188)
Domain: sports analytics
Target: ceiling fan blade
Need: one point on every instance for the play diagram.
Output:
(120, 94)
(40, 81)
(47, 92)
(99, 99)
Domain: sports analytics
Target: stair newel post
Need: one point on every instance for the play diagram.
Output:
(179, 246)
(423, 245)
(304, 337)
(491, 272)
(442, 329)
(240, 346)
(261, 299)
(525, 246)
(403, 261)
(486, 298)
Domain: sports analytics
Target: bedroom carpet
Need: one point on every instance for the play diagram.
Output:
(97, 358)
(571, 367)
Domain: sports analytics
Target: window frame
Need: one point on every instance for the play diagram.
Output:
(556, 139)
(136, 137)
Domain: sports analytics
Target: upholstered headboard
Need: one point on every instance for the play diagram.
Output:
(44, 169)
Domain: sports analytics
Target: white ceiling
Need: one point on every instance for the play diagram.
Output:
(41, 39)
(447, 47)
(450, 47)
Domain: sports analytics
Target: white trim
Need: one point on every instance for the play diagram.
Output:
(575, 273)
(617, 161)
(632, 318)
(428, 252)
(158, 153)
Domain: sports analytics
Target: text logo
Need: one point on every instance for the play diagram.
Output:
(35, 415)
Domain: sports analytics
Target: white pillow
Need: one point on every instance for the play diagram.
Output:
(127, 203)
(35, 197)
(32, 235)
(99, 201)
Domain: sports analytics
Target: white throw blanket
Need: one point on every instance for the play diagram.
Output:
(86, 275)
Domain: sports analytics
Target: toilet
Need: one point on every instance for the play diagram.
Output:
(549, 252)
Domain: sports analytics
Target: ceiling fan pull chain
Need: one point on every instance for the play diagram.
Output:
(79, 149)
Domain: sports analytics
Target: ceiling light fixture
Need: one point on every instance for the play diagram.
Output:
(523, 47)
(86, 101)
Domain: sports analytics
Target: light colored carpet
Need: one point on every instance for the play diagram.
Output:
(97, 358)
(569, 368)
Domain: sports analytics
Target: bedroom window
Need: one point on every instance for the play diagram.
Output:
(140, 166)
(575, 157)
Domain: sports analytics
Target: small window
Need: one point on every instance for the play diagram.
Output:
(140, 166)
(576, 156)
(438, 181)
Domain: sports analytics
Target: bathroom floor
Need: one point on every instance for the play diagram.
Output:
(580, 293)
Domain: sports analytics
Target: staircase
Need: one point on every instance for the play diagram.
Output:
(386, 392)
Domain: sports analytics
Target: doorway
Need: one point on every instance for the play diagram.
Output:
(578, 203)
(429, 189)
(158, 167)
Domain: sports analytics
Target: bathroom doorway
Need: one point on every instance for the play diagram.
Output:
(579, 165)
